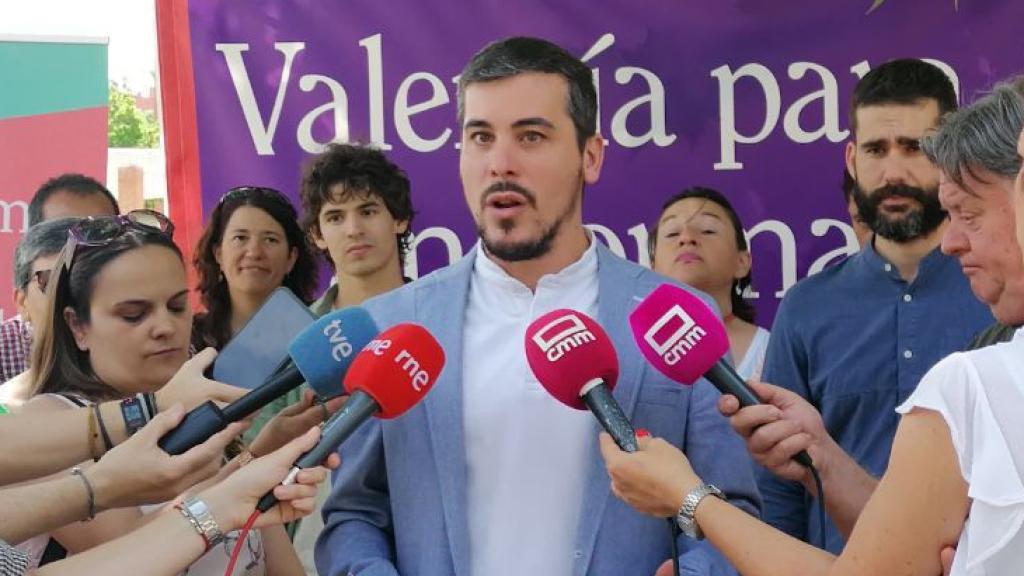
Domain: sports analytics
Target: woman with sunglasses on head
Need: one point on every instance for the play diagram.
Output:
(117, 326)
(699, 240)
(251, 246)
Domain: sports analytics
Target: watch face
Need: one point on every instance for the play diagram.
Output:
(133, 412)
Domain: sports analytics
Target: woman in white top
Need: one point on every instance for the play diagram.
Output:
(956, 472)
(117, 323)
(699, 240)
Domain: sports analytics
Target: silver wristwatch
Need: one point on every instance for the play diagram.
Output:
(199, 515)
(685, 518)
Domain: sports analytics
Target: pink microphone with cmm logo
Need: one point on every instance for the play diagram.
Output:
(683, 338)
(573, 358)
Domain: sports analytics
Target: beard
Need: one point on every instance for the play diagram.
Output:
(901, 228)
(527, 249)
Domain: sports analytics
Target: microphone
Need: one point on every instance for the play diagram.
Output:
(389, 376)
(681, 337)
(573, 359)
(319, 355)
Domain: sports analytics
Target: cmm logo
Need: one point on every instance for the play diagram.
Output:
(681, 331)
(561, 335)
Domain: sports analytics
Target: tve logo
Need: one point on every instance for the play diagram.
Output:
(681, 331)
(562, 335)
(340, 346)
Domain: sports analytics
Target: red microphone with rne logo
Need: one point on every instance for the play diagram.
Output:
(574, 360)
(392, 373)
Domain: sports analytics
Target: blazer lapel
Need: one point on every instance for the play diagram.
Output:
(615, 301)
(441, 307)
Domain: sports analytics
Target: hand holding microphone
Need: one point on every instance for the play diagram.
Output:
(681, 337)
(392, 373)
(319, 355)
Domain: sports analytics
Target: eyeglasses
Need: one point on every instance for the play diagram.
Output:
(42, 278)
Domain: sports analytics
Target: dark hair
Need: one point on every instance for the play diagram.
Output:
(741, 308)
(848, 184)
(520, 55)
(359, 170)
(903, 81)
(982, 136)
(43, 239)
(57, 364)
(214, 328)
(77, 184)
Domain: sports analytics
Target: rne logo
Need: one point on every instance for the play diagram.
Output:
(681, 331)
(561, 335)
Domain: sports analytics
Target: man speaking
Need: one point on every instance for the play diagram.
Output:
(490, 475)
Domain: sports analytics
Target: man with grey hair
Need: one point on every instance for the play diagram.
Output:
(975, 150)
(33, 260)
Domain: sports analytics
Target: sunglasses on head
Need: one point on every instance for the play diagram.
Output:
(101, 230)
(247, 192)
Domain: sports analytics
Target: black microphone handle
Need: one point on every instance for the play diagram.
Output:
(608, 412)
(198, 425)
(359, 407)
(276, 386)
(725, 378)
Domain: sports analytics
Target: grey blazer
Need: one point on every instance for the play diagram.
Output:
(398, 503)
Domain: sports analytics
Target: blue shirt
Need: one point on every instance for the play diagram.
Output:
(854, 340)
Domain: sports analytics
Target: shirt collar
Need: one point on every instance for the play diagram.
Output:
(875, 262)
(490, 273)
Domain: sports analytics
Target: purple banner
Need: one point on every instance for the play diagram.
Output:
(747, 97)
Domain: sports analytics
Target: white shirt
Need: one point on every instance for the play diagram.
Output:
(980, 395)
(526, 453)
(753, 360)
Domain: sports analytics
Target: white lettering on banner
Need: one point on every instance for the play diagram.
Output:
(262, 133)
(338, 105)
(771, 96)
(639, 233)
(405, 111)
(647, 110)
(7, 224)
(821, 227)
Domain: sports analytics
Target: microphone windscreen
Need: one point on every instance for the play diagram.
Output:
(324, 351)
(566, 350)
(397, 368)
(678, 333)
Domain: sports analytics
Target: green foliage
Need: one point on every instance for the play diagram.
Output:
(129, 127)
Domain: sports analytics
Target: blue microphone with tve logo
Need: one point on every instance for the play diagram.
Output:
(319, 355)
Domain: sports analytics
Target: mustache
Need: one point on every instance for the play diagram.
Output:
(506, 186)
(898, 191)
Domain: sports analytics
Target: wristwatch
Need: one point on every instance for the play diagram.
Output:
(687, 523)
(198, 514)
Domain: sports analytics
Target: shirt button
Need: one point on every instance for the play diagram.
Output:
(888, 267)
(907, 297)
(908, 354)
(577, 554)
